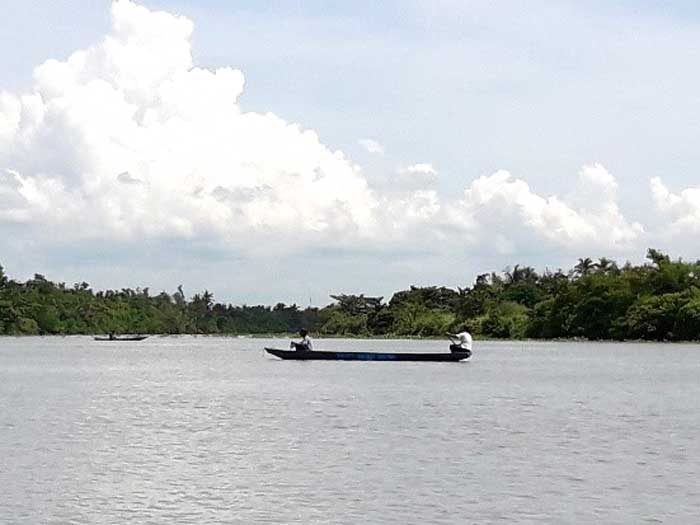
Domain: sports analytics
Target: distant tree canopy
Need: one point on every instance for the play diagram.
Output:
(658, 300)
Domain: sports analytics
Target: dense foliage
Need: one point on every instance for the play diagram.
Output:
(659, 300)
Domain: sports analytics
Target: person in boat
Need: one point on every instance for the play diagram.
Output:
(305, 345)
(461, 342)
(111, 336)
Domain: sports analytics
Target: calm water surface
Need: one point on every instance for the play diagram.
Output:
(209, 430)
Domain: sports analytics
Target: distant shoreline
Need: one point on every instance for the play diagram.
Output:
(292, 336)
(594, 301)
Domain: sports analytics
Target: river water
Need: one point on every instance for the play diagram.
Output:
(210, 430)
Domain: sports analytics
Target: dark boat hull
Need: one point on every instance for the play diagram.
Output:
(366, 356)
(135, 338)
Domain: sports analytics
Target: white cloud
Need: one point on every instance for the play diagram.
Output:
(406, 210)
(683, 209)
(14, 193)
(126, 178)
(134, 105)
(506, 212)
(416, 176)
(372, 146)
(128, 140)
(419, 169)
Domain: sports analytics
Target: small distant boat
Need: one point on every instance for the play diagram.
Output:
(122, 338)
(367, 356)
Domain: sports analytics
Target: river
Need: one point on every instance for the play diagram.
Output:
(210, 430)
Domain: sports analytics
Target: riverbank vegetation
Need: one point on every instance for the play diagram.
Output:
(657, 300)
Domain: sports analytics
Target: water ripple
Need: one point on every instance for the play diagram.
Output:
(205, 430)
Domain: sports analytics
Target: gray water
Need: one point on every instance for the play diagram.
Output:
(209, 430)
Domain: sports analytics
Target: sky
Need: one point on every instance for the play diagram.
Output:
(285, 151)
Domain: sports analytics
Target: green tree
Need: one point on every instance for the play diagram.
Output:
(584, 267)
(654, 317)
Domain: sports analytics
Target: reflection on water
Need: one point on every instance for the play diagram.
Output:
(210, 430)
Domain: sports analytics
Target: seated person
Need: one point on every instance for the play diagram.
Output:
(461, 342)
(305, 344)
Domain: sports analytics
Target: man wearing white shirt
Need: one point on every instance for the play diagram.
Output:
(305, 345)
(461, 342)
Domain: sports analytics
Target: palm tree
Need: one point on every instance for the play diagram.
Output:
(584, 267)
(526, 273)
(606, 265)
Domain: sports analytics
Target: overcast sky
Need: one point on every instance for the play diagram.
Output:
(287, 150)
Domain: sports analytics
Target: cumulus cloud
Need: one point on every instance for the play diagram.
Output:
(416, 176)
(506, 212)
(419, 169)
(682, 209)
(130, 140)
(15, 195)
(372, 146)
(405, 210)
(502, 214)
(136, 106)
(127, 178)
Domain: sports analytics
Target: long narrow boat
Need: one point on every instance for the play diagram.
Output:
(367, 356)
(126, 338)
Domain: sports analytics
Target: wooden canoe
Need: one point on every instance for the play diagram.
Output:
(367, 356)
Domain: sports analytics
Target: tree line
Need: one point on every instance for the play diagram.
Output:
(657, 300)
